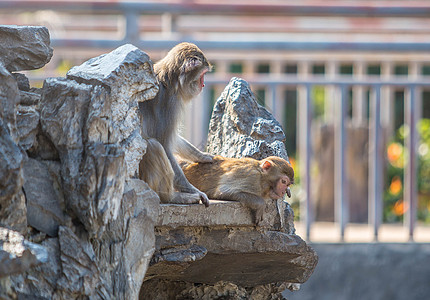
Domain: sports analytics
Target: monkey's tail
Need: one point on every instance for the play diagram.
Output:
(155, 169)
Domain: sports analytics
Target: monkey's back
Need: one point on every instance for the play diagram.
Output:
(224, 176)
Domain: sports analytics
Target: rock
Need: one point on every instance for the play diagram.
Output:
(40, 282)
(9, 97)
(240, 127)
(80, 273)
(126, 247)
(92, 162)
(12, 201)
(45, 201)
(24, 47)
(234, 254)
(18, 255)
(27, 123)
(277, 216)
(22, 81)
(29, 98)
(127, 73)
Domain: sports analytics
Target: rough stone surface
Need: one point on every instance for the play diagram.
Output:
(277, 215)
(24, 47)
(128, 74)
(9, 97)
(12, 201)
(234, 254)
(22, 81)
(240, 127)
(45, 200)
(16, 254)
(92, 163)
(27, 123)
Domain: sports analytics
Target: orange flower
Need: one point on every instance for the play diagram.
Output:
(399, 208)
(396, 185)
(292, 162)
(394, 152)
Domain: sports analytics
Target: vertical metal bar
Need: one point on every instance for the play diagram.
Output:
(410, 190)
(307, 158)
(375, 163)
(304, 118)
(341, 203)
(273, 96)
(359, 103)
(132, 27)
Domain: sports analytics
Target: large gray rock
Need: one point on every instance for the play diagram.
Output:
(126, 248)
(111, 266)
(27, 123)
(127, 73)
(240, 127)
(45, 200)
(92, 162)
(16, 254)
(24, 47)
(12, 201)
(80, 272)
(9, 97)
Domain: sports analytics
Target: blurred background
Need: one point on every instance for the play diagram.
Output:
(348, 80)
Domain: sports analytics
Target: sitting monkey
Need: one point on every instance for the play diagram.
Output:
(246, 180)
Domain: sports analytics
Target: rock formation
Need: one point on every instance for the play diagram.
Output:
(75, 222)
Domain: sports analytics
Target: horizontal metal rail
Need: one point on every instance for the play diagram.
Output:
(132, 10)
(356, 8)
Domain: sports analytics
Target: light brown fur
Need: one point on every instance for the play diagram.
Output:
(246, 180)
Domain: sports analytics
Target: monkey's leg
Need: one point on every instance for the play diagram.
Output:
(187, 151)
(185, 198)
(181, 182)
(155, 169)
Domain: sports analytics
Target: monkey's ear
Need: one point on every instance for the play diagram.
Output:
(266, 165)
(191, 63)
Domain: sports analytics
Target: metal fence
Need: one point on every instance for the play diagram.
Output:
(273, 83)
(376, 158)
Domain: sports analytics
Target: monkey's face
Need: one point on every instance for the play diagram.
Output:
(281, 188)
(192, 79)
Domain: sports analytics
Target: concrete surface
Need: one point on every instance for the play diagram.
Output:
(375, 271)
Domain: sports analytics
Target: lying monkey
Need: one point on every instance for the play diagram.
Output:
(246, 180)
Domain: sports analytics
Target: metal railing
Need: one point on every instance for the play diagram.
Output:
(376, 158)
(132, 11)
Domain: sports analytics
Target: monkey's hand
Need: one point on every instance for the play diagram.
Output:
(204, 198)
(205, 157)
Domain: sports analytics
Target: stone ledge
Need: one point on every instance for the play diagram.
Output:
(278, 215)
(225, 213)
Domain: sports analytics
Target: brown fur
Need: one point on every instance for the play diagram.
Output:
(244, 180)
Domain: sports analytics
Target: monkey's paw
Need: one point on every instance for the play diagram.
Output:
(204, 198)
(205, 158)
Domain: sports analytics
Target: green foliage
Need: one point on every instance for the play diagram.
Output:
(393, 196)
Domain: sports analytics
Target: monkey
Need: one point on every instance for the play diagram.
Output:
(247, 180)
(181, 78)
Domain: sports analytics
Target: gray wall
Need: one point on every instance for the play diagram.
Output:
(368, 271)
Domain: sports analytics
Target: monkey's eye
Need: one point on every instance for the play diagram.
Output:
(284, 181)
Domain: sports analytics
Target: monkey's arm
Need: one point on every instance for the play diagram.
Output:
(187, 151)
(181, 182)
(254, 202)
